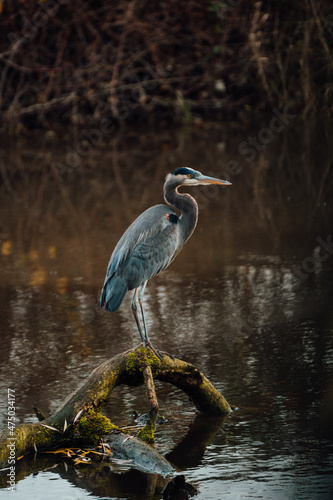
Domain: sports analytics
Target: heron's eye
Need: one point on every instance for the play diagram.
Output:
(190, 176)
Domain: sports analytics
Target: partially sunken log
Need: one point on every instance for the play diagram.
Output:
(79, 420)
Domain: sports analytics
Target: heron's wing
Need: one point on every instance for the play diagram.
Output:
(150, 256)
(146, 247)
(148, 225)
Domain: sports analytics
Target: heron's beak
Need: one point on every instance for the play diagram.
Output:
(205, 180)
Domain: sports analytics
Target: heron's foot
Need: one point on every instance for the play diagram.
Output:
(167, 354)
(155, 351)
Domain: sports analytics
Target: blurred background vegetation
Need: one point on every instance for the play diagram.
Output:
(78, 61)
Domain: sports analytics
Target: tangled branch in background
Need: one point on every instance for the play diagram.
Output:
(73, 62)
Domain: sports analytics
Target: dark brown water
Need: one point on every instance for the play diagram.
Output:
(248, 300)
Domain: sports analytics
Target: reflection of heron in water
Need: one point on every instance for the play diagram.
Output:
(151, 242)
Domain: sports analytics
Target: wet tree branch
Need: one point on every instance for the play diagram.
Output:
(131, 368)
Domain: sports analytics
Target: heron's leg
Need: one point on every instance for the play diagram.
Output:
(136, 317)
(142, 291)
(147, 340)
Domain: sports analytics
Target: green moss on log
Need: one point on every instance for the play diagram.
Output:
(93, 426)
(147, 434)
(137, 360)
(200, 390)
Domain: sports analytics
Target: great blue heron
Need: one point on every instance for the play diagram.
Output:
(151, 242)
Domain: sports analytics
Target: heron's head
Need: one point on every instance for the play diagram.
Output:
(188, 176)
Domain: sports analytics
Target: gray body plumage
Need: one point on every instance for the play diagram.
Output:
(146, 248)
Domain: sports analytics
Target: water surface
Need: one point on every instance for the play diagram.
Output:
(248, 300)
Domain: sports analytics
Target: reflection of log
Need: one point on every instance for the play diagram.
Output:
(190, 450)
(76, 417)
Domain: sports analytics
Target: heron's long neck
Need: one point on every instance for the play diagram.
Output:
(187, 205)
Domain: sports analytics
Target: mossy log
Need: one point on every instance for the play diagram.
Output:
(78, 417)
